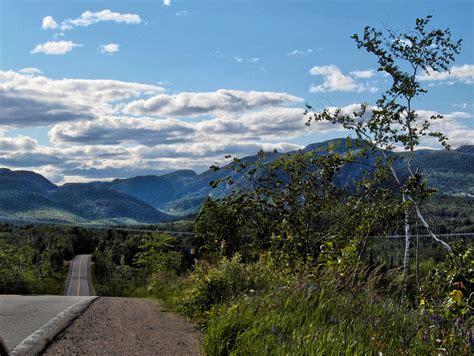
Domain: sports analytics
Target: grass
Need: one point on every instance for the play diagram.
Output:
(308, 321)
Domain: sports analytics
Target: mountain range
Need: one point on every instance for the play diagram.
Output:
(154, 199)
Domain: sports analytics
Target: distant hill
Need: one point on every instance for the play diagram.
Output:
(451, 172)
(469, 149)
(28, 195)
(153, 199)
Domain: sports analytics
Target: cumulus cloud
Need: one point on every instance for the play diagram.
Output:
(110, 48)
(167, 2)
(202, 103)
(55, 47)
(23, 151)
(30, 70)
(453, 125)
(19, 143)
(118, 130)
(266, 124)
(335, 80)
(27, 100)
(462, 74)
(49, 23)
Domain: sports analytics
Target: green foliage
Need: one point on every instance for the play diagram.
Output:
(308, 319)
(209, 285)
(216, 231)
(450, 286)
(32, 258)
(158, 253)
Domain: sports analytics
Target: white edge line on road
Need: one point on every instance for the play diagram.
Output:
(40, 339)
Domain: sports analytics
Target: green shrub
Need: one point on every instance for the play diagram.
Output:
(209, 285)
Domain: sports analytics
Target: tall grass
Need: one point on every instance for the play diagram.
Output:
(248, 309)
(306, 321)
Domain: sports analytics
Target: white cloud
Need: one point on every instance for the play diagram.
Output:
(267, 124)
(363, 73)
(55, 47)
(167, 2)
(238, 59)
(335, 80)
(463, 74)
(118, 130)
(88, 18)
(19, 143)
(453, 125)
(300, 52)
(182, 13)
(38, 101)
(204, 103)
(49, 23)
(30, 70)
(110, 48)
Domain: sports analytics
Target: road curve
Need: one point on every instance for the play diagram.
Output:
(79, 270)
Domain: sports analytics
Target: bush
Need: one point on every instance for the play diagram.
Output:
(209, 285)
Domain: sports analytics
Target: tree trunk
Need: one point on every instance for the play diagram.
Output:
(406, 257)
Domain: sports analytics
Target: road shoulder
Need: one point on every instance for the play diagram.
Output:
(38, 340)
(128, 326)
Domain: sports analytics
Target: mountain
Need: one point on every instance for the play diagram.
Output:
(24, 180)
(153, 199)
(27, 195)
(181, 192)
(468, 149)
(155, 190)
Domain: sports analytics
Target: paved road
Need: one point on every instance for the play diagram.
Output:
(21, 315)
(79, 271)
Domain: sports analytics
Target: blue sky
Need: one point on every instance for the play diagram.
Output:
(120, 88)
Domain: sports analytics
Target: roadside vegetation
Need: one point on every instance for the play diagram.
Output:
(33, 258)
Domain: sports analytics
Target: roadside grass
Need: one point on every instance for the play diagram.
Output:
(247, 309)
(316, 322)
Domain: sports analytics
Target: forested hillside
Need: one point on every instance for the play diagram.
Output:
(29, 196)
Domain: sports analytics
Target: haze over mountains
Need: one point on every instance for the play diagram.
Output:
(154, 199)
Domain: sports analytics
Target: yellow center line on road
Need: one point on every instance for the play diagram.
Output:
(79, 276)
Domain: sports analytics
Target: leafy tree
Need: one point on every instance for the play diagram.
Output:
(158, 253)
(295, 207)
(393, 122)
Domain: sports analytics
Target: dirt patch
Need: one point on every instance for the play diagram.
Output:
(127, 326)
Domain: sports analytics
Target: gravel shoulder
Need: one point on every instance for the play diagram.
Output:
(127, 326)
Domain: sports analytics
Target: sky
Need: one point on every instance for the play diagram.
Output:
(95, 90)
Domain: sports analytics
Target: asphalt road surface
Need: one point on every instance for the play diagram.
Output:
(79, 274)
(21, 315)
